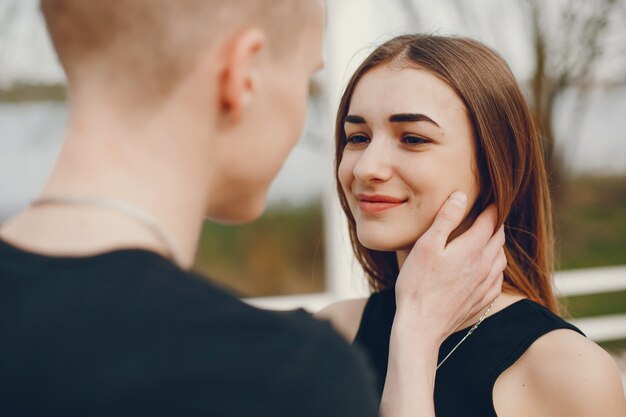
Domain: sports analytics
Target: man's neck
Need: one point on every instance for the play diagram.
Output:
(148, 171)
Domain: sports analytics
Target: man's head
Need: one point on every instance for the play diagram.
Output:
(230, 77)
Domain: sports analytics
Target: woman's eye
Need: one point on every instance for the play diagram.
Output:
(357, 140)
(414, 140)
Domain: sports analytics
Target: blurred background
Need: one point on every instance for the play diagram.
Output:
(569, 56)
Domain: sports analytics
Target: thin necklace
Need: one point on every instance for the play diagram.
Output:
(480, 320)
(115, 205)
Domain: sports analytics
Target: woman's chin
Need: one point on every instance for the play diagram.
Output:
(386, 246)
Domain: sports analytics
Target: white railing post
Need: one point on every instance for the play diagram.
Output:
(349, 28)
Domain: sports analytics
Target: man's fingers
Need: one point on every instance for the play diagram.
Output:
(494, 245)
(492, 283)
(488, 292)
(448, 218)
(494, 291)
(483, 228)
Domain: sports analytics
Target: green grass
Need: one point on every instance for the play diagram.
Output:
(591, 223)
(591, 232)
(281, 253)
(596, 304)
(20, 93)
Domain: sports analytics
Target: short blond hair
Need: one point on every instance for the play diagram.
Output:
(150, 44)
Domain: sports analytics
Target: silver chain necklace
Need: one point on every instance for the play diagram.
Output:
(471, 330)
(114, 205)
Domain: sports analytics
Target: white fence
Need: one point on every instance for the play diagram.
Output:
(568, 283)
(595, 281)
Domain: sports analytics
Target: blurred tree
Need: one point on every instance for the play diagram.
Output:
(565, 58)
(567, 40)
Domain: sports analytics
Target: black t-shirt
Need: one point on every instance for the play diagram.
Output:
(129, 333)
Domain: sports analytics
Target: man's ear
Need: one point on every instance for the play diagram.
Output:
(239, 72)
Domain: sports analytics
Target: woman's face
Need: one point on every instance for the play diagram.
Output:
(409, 146)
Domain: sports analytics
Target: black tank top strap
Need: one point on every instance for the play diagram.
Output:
(530, 322)
(464, 383)
(531, 335)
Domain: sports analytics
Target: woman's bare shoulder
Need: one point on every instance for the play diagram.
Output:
(569, 375)
(345, 316)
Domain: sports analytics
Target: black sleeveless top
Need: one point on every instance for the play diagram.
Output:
(464, 383)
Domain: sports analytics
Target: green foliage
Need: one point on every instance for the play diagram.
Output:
(281, 253)
(596, 304)
(21, 93)
(591, 232)
(591, 222)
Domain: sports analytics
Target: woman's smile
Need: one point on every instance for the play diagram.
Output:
(375, 203)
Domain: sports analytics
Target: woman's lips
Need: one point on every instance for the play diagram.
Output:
(378, 203)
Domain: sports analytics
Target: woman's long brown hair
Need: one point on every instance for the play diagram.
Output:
(508, 155)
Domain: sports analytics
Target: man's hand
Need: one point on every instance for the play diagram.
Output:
(443, 284)
(440, 286)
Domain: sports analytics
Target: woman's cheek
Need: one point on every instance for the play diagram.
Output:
(345, 172)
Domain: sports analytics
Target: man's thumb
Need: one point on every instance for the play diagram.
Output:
(448, 218)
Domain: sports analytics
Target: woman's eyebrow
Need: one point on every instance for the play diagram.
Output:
(354, 119)
(411, 117)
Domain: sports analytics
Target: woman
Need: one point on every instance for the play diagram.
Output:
(421, 117)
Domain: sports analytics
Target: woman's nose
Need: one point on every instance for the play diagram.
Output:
(375, 162)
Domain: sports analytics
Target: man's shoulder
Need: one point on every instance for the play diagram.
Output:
(307, 360)
(125, 287)
(148, 320)
(216, 308)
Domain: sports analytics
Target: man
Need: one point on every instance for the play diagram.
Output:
(180, 110)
